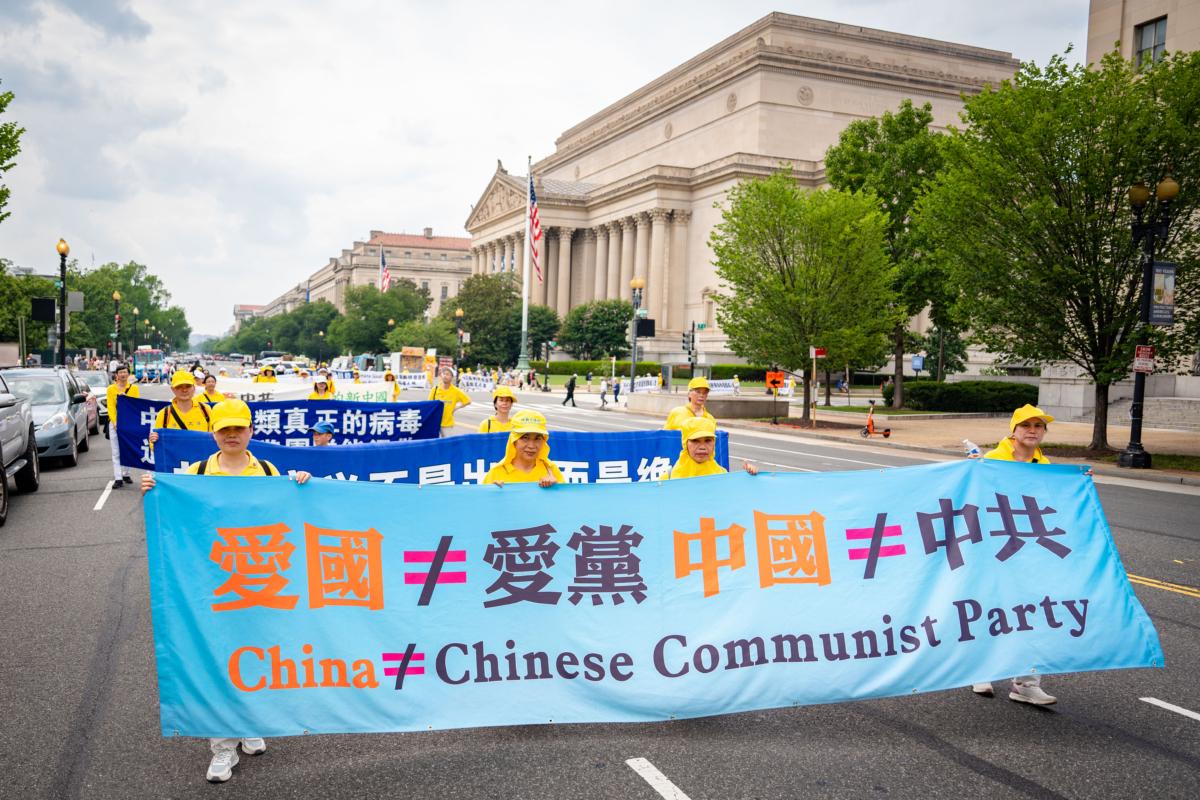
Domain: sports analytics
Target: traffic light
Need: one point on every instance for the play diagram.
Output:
(687, 341)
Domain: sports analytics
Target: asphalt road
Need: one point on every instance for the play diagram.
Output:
(78, 693)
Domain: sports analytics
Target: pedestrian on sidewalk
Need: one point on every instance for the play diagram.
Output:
(231, 428)
(603, 392)
(571, 390)
(616, 391)
(589, 380)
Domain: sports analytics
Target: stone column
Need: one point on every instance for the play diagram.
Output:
(613, 291)
(508, 253)
(587, 276)
(550, 267)
(677, 272)
(600, 276)
(656, 282)
(563, 284)
(480, 260)
(493, 255)
(627, 243)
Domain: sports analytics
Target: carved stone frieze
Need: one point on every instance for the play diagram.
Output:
(501, 200)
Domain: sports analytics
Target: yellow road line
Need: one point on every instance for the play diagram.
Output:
(1187, 591)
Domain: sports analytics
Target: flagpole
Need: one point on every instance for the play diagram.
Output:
(523, 358)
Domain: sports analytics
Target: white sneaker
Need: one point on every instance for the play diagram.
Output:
(254, 746)
(220, 769)
(982, 688)
(1031, 693)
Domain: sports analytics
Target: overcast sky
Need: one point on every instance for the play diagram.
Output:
(233, 147)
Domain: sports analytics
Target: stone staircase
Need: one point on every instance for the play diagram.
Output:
(1168, 413)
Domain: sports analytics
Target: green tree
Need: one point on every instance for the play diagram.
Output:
(437, 333)
(894, 157)
(140, 289)
(544, 326)
(1032, 214)
(362, 328)
(796, 266)
(16, 293)
(487, 302)
(864, 346)
(597, 330)
(10, 147)
(945, 351)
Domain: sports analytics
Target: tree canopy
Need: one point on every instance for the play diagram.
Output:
(368, 311)
(10, 147)
(597, 330)
(1031, 213)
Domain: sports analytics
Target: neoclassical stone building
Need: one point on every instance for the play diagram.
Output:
(437, 263)
(633, 190)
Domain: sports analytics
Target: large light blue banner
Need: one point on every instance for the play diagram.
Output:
(582, 457)
(288, 422)
(337, 607)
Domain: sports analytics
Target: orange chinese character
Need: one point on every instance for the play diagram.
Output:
(348, 562)
(791, 544)
(709, 563)
(255, 557)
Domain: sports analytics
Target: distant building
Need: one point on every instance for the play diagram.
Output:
(1145, 28)
(438, 264)
(243, 314)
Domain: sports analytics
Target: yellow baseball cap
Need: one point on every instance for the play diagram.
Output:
(181, 377)
(699, 428)
(699, 382)
(504, 391)
(230, 413)
(529, 421)
(1027, 412)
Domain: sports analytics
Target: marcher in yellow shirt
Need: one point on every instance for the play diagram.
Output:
(699, 448)
(267, 375)
(211, 396)
(231, 430)
(697, 397)
(451, 396)
(183, 413)
(390, 377)
(503, 400)
(527, 454)
(321, 389)
(122, 386)
(323, 374)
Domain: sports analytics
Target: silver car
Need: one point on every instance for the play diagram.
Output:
(60, 411)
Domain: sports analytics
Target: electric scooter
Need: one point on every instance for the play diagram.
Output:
(870, 428)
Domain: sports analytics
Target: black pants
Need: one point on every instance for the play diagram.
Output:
(570, 396)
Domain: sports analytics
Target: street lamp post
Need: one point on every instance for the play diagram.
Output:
(458, 315)
(116, 344)
(1149, 233)
(637, 284)
(133, 334)
(320, 347)
(63, 249)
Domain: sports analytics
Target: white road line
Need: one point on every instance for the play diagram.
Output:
(1154, 701)
(813, 455)
(103, 497)
(658, 782)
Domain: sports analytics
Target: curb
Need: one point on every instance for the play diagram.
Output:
(1099, 468)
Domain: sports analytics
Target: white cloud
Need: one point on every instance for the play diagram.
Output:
(235, 147)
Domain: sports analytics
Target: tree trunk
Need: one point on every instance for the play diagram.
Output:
(1100, 419)
(898, 375)
(828, 396)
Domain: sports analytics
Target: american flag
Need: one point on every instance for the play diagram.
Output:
(385, 275)
(535, 230)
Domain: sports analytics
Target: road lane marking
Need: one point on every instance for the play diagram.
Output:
(103, 497)
(1154, 701)
(1187, 591)
(658, 782)
(814, 455)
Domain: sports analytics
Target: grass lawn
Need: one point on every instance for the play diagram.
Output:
(1160, 460)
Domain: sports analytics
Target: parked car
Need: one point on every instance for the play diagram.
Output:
(59, 411)
(18, 447)
(97, 383)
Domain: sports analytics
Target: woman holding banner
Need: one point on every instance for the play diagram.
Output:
(699, 448)
(503, 400)
(231, 428)
(527, 454)
(267, 375)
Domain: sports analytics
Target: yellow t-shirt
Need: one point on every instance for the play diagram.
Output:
(451, 398)
(255, 469)
(265, 379)
(131, 390)
(1004, 452)
(211, 399)
(508, 473)
(678, 414)
(685, 467)
(319, 396)
(493, 425)
(195, 420)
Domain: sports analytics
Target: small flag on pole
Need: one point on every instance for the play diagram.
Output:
(535, 230)
(385, 276)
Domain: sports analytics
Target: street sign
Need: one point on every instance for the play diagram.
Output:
(74, 301)
(816, 352)
(918, 363)
(775, 380)
(466, 337)
(1143, 358)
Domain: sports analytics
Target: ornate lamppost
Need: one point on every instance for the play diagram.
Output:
(637, 285)
(458, 315)
(116, 342)
(63, 249)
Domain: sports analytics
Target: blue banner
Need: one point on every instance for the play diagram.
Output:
(287, 422)
(337, 606)
(582, 457)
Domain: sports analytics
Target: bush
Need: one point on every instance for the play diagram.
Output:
(965, 396)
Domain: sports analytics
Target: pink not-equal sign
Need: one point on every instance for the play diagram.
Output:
(860, 553)
(394, 671)
(427, 557)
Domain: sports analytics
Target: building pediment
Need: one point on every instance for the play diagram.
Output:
(503, 195)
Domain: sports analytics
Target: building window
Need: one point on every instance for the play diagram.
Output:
(1149, 41)
(408, 253)
(443, 256)
(445, 291)
(427, 255)
(425, 285)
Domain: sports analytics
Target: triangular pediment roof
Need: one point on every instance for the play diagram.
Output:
(504, 194)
